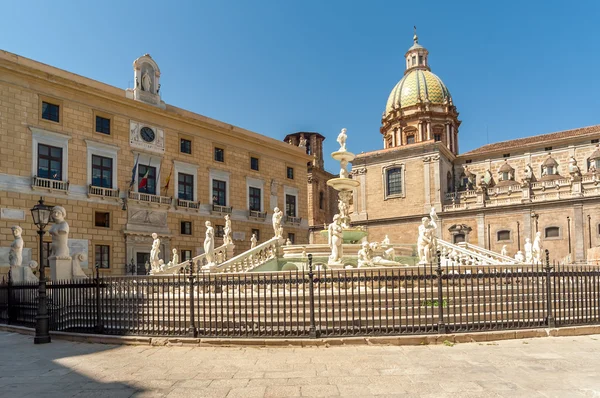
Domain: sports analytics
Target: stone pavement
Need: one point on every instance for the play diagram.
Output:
(546, 367)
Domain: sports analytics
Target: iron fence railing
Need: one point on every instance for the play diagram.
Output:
(380, 301)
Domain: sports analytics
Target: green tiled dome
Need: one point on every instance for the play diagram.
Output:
(418, 83)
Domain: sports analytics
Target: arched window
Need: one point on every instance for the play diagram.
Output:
(457, 238)
(394, 181)
(503, 235)
(552, 232)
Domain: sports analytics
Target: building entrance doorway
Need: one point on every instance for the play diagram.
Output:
(142, 258)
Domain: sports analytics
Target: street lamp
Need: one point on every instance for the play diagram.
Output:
(41, 218)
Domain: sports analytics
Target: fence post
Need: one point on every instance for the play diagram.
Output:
(99, 327)
(9, 301)
(441, 325)
(312, 332)
(192, 331)
(550, 321)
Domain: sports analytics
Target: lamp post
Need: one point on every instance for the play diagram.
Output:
(41, 218)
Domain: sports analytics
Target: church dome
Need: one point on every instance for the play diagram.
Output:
(418, 85)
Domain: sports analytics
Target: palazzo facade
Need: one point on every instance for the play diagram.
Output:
(124, 164)
(496, 195)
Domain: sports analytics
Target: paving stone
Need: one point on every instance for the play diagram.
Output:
(323, 390)
(282, 391)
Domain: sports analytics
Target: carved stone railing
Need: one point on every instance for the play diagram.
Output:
(488, 253)
(221, 209)
(454, 255)
(49, 184)
(149, 198)
(507, 189)
(187, 204)
(258, 215)
(251, 259)
(103, 192)
(219, 256)
(461, 195)
(502, 202)
(455, 206)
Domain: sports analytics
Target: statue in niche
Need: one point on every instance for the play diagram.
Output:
(335, 240)
(341, 139)
(227, 231)
(427, 242)
(155, 262)
(209, 243)
(365, 255)
(60, 234)
(146, 82)
(302, 143)
(537, 248)
(277, 228)
(253, 241)
(528, 251)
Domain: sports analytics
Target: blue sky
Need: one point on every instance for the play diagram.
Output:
(275, 67)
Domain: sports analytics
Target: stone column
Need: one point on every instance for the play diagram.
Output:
(578, 231)
(427, 184)
(480, 218)
(448, 144)
(428, 131)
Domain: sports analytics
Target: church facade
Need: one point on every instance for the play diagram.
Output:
(495, 196)
(125, 164)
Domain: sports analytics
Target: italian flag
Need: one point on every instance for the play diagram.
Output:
(144, 180)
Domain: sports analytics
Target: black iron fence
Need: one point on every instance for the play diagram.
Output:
(415, 300)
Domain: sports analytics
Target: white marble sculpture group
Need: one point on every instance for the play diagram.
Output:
(427, 240)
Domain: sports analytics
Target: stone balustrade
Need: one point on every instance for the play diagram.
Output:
(250, 259)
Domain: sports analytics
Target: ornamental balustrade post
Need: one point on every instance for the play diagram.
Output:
(441, 324)
(550, 321)
(192, 331)
(313, 333)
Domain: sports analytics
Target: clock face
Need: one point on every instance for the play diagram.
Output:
(147, 134)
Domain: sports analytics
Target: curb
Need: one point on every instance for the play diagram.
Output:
(471, 337)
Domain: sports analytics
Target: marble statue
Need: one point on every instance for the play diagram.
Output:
(146, 81)
(288, 242)
(427, 242)
(15, 256)
(277, 216)
(365, 255)
(227, 231)
(154, 260)
(335, 240)
(60, 234)
(537, 248)
(209, 243)
(341, 139)
(19, 272)
(343, 213)
(344, 168)
(528, 250)
(573, 168)
(385, 241)
(519, 257)
(302, 143)
(504, 251)
(175, 259)
(253, 241)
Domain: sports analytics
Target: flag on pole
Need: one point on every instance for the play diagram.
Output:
(144, 180)
(168, 181)
(134, 172)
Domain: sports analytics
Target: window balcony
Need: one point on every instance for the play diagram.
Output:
(154, 200)
(103, 192)
(39, 183)
(218, 209)
(187, 204)
(293, 220)
(257, 215)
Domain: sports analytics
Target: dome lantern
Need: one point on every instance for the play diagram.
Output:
(416, 56)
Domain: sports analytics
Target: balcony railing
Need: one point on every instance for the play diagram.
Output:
(221, 209)
(49, 184)
(103, 192)
(149, 198)
(257, 214)
(188, 204)
(293, 220)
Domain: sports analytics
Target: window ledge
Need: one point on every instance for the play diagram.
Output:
(187, 204)
(103, 192)
(395, 196)
(218, 209)
(257, 215)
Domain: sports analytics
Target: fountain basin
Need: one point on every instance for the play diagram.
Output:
(343, 184)
(343, 155)
(349, 235)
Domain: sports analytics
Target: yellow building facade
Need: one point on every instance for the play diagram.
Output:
(496, 196)
(77, 143)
